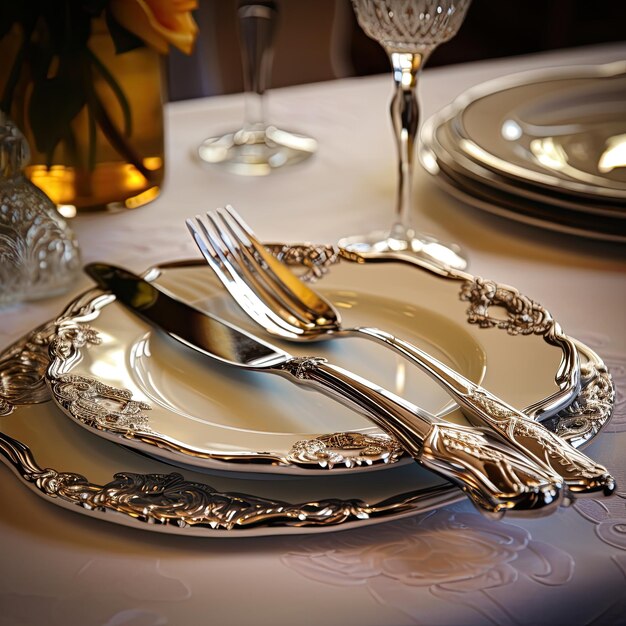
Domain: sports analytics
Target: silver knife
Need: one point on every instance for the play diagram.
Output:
(496, 476)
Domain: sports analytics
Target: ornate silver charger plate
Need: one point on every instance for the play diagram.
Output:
(121, 379)
(542, 148)
(111, 482)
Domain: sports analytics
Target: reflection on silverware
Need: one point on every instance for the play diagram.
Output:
(165, 507)
(496, 477)
(282, 304)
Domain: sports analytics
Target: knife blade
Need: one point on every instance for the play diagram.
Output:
(497, 477)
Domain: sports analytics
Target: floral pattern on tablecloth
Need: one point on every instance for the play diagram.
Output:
(111, 601)
(609, 514)
(617, 367)
(459, 556)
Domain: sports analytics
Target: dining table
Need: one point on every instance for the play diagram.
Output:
(448, 566)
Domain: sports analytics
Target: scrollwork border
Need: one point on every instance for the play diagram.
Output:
(169, 503)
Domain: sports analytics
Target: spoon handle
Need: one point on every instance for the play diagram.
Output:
(496, 476)
(581, 474)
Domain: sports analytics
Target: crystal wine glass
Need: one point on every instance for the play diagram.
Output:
(257, 148)
(408, 30)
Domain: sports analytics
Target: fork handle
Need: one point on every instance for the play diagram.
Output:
(494, 475)
(581, 474)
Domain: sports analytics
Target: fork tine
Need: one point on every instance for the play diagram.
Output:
(216, 254)
(207, 249)
(229, 252)
(220, 263)
(284, 278)
(216, 259)
(266, 281)
(289, 283)
(253, 279)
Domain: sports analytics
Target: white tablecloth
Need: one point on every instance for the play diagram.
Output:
(449, 568)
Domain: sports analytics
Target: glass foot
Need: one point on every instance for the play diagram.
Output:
(257, 152)
(406, 241)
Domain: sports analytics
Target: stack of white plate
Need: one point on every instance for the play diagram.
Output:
(546, 148)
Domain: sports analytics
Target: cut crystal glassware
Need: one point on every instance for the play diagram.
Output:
(39, 254)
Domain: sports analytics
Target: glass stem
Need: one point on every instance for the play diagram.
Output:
(405, 115)
(257, 24)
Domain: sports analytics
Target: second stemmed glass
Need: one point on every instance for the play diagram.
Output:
(258, 148)
(408, 30)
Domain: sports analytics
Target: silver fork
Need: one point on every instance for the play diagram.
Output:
(284, 306)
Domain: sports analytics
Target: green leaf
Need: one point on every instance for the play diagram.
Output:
(54, 103)
(12, 12)
(40, 56)
(93, 7)
(117, 90)
(123, 39)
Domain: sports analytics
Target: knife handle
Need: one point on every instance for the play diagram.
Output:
(497, 477)
(582, 475)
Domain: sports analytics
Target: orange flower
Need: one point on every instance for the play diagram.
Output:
(159, 22)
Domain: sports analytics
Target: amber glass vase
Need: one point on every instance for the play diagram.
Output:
(112, 155)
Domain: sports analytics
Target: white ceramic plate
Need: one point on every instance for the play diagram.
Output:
(519, 209)
(478, 186)
(562, 129)
(131, 384)
(443, 141)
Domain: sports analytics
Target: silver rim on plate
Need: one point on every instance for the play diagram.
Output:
(104, 407)
(167, 502)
